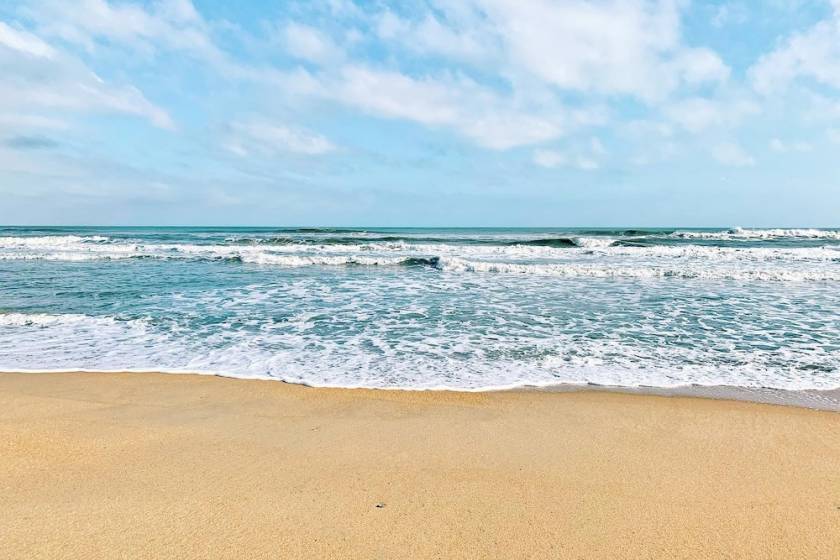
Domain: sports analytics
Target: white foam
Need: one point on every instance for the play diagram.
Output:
(742, 273)
(597, 259)
(592, 242)
(741, 233)
(489, 317)
(397, 332)
(51, 241)
(46, 319)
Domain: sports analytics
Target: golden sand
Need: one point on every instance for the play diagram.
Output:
(168, 466)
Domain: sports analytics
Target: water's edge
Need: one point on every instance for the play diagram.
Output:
(472, 309)
(813, 399)
(827, 399)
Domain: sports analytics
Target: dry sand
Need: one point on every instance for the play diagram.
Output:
(166, 466)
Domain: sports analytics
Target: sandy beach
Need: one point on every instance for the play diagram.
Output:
(182, 466)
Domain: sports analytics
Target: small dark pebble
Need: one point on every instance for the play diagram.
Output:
(380, 505)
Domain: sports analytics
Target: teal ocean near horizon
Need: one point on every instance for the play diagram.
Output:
(470, 309)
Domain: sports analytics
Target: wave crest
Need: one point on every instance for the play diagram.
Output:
(759, 234)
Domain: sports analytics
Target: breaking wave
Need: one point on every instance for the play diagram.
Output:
(741, 233)
(424, 309)
(586, 256)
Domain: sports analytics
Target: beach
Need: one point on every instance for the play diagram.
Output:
(144, 465)
(482, 279)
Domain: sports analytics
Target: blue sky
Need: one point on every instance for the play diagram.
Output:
(436, 112)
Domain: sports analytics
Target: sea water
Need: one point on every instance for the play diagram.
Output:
(470, 309)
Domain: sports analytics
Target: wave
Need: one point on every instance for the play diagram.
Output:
(50, 240)
(320, 230)
(365, 239)
(356, 240)
(625, 232)
(733, 270)
(441, 359)
(557, 242)
(585, 256)
(288, 240)
(593, 242)
(58, 248)
(336, 260)
(594, 270)
(641, 272)
(433, 262)
(640, 243)
(566, 242)
(408, 241)
(63, 319)
(759, 234)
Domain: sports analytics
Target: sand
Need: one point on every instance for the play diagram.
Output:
(182, 466)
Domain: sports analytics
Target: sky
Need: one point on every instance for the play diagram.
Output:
(420, 113)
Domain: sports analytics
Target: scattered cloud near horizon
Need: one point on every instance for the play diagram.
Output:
(475, 111)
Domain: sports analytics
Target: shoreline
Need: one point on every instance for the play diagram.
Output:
(813, 399)
(827, 400)
(173, 466)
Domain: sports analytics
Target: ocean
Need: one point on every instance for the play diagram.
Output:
(406, 308)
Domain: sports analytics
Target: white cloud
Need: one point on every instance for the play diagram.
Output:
(733, 155)
(307, 43)
(455, 102)
(814, 53)
(431, 36)
(550, 158)
(820, 108)
(587, 164)
(23, 122)
(164, 24)
(610, 47)
(395, 95)
(24, 42)
(37, 77)
(533, 50)
(641, 129)
(696, 114)
(179, 10)
(97, 96)
(700, 66)
(584, 156)
(503, 131)
(506, 64)
(267, 139)
(510, 73)
(778, 145)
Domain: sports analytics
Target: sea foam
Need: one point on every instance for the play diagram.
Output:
(418, 309)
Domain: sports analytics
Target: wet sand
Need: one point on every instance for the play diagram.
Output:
(182, 466)
(826, 399)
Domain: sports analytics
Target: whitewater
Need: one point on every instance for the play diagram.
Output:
(402, 308)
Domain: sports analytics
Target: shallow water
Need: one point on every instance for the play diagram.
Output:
(429, 308)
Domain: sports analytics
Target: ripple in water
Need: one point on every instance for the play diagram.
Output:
(455, 309)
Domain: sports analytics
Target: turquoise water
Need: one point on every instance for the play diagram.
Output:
(428, 308)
